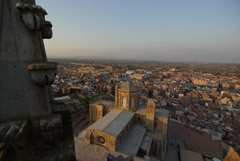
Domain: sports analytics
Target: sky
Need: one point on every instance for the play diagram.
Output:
(161, 30)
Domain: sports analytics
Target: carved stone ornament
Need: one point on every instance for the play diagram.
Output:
(32, 15)
(47, 30)
(43, 74)
(101, 139)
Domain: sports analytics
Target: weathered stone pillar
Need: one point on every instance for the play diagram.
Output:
(25, 93)
(25, 73)
(100, 109)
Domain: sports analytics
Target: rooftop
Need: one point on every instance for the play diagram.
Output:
(128, 86)
(113, 123)
(159, 113)
(187, 155)
(89, 152)
(131, 144)
(107, 104)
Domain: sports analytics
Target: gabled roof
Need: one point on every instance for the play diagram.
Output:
(113, 123)
(128, 86)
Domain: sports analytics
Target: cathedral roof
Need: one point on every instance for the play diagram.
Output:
(128, 86)
(113, 123)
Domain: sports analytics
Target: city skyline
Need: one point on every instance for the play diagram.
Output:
(184, 31)
(93, 101)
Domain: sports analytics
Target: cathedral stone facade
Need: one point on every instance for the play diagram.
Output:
(110, 130)
(116, 125)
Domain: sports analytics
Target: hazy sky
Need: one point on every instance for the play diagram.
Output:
(165, 30)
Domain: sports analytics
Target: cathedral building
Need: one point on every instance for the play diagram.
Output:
(124, 126)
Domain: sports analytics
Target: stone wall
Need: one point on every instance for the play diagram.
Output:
(19, 47)
(63, 110)
(101, 138)
(140, 119)
(161, 125)
(100, 111)
(132, 100)
(196, 140)
(96, 112)
(158, 148)
(150, 115)
(25, 94)
(110, 142)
